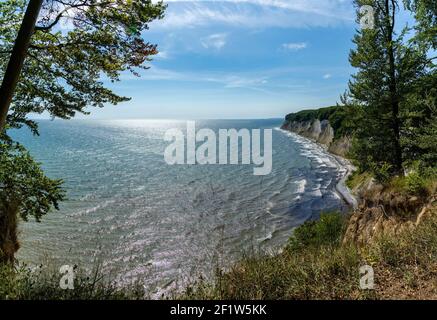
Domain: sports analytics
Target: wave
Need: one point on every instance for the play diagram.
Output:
(300, 186)
(99, 206)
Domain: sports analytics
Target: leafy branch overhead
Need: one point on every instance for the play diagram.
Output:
(425, 12)
(76, 44)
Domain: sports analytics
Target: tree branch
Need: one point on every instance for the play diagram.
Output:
(70, 6)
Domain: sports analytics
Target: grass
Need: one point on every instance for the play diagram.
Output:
(421, 182)
(415, 183)
(312, 266)
(315, 265)
(43, 283)
(357, 179)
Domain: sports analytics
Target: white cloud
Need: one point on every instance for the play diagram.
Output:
(294, 46)
(253, 81)
(162, 55)
(327, 76)
(237, 81)
(258, 13)
(323, 7)
(214, 41)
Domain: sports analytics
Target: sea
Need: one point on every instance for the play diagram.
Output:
(142, 220)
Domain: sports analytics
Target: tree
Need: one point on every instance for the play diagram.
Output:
(388, 67)
(421, 106)
(62, 73)
(24, 192)
(420, 117)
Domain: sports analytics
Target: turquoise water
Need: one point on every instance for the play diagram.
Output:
(143, 219)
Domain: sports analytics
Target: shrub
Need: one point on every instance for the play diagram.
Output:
(382, 173)
(416, 184)
(325, 231)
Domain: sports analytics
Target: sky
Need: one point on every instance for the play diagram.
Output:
(241, 59)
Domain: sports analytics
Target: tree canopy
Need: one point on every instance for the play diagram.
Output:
(425, 13)
(76, 44)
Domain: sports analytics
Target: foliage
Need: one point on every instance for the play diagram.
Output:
(420, 181)
(394, 94)
(24, 191)
(357, 179)
(420, 118)
(307, 115)
(22, 181)
(325, 231)
(376, 89)
(77, 44)
(341, 118)
(42, 283)
(415, 183)
(381, 172)
(425, 13)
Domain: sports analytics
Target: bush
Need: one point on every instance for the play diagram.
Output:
(416, 184)
(327, 230)
(382, 173)
(420, 181)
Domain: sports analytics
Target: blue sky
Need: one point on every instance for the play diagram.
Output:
(241, 59)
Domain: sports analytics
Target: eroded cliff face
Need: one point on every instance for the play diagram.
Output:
(321, 132)
(385, 213)
(340, 146)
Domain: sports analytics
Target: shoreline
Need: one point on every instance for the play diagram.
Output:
(341, 188)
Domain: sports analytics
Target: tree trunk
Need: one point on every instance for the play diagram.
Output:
(8, 231)
(394, 97)
(16, 60)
